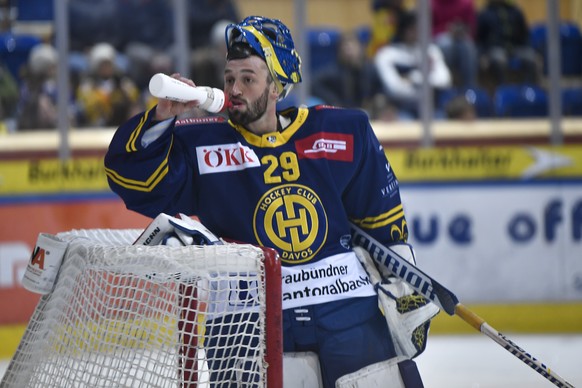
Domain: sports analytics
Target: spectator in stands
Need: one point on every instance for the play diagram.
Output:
(119, 23)
(503, 39)
(106, 96)
(146, 22)
(94, 21)
(148, 34)
(454, 24)
(399, 68)
(382, 109)
(459, 108)
(204, 14)
(8, 99)
(37, 107)
(207, 61)
(385, 16)
(349, 82)
(159, 63)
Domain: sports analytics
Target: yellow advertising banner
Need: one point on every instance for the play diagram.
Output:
(473, 163)
(52, 176)
(436, 164)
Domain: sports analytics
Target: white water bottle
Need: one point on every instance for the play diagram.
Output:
(164, 86)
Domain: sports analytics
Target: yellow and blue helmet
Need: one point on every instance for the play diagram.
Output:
(271, 40)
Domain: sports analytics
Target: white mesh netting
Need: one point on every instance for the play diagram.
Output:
(135, 316)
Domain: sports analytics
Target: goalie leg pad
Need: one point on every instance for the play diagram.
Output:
(301, 370)
(398, 372)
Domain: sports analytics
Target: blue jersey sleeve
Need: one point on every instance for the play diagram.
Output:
(151, 179)
(372, 198)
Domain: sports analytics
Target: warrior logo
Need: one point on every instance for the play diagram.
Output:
(292, 219)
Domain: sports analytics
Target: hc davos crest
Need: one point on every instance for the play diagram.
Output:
(292, 219)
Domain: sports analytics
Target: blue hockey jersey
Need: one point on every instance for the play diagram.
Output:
(295, 190)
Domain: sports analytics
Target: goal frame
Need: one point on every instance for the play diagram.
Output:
(274, 318)
(271, 322)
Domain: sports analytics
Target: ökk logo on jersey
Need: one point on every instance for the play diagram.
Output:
(292, 219)
(328, 145)
(225, 157)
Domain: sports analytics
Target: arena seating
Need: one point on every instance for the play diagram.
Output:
(35, 10)
(520, 100)
(570, 46)
(572, 101)
(15, 49)
(323, 43)
(478, 97)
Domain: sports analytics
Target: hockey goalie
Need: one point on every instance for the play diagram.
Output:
(293, 180)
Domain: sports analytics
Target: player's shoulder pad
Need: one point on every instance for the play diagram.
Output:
(200, 120)
(339, 113)
(336, 110)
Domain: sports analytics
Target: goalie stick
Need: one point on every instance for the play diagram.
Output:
(446, 300)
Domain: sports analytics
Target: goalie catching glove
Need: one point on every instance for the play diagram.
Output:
(407, 313)
(176, 231)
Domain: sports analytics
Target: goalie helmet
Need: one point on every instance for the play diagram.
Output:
(271, 40)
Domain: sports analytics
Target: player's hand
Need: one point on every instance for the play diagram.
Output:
(167, 108)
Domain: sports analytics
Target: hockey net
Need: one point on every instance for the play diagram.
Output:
(154, 316)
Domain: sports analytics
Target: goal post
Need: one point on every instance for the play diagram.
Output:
(154, 316)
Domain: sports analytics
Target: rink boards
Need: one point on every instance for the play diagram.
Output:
(495, 214)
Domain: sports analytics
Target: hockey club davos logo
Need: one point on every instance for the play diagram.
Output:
(225, 157)
(333, 146)
(292, 219)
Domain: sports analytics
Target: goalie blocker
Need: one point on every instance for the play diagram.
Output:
(407, 313)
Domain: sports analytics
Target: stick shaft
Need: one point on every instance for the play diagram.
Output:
(479, 323)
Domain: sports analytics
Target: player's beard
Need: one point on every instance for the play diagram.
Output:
(254, 111)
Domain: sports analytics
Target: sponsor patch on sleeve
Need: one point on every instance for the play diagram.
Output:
(326, 145)
(225, 157)
(200, 120)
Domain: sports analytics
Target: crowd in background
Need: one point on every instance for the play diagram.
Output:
(117, 45)
(470, 49)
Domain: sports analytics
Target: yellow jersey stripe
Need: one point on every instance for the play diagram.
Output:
(130, 146)
(147, 185)
(273, 139)
(371, 220)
